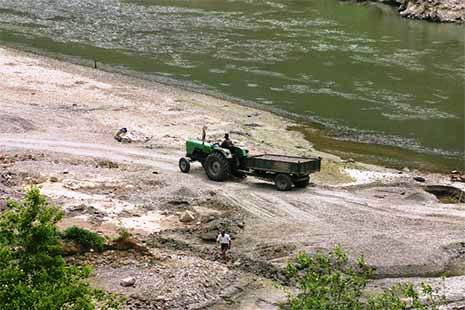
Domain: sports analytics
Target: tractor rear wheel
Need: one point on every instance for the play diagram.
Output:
(217, 167)
(283, 182)
(184, 165)
(302, 183)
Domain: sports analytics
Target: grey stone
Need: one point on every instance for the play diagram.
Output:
(129, 281)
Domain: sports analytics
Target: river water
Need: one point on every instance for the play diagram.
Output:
(359, 72)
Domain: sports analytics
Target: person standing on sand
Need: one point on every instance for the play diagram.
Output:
(225, 242)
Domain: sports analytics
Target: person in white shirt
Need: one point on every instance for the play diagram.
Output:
(225, 241)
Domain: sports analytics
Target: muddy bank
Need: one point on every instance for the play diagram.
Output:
(446, 11)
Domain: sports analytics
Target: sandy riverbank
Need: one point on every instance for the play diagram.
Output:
(56, 131)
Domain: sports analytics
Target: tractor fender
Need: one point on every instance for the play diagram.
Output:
(225, 152)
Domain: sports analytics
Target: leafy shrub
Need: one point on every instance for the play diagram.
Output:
(33, 274)
(85, 238)
(331, 282)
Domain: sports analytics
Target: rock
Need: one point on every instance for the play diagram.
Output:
(452, 11)
(254, 125)
(240, 133)
(209, 235)
(129, 244)
(129, 281)
(186, 217)
(406, 169)
(75, 185)
(208, 218)
(419, 179)
(53, 179)
(76, 208)
(457, 176)
(70, 248)
(107, 164)
(162, 298)
(183, 193)
(434, 10)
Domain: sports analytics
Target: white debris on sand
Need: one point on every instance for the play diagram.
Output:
(362, 177)
(148, 223)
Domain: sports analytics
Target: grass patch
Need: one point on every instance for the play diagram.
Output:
(123, 234)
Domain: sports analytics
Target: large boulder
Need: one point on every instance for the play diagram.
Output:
(187, 217)
(434, 10)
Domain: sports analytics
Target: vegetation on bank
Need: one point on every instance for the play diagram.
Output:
(330, 281)
(33, 272)
(85, 238)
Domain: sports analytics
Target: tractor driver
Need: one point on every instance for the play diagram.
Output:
(227, 143)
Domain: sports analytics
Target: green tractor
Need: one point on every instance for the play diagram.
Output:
(222, 163)
(219, 163)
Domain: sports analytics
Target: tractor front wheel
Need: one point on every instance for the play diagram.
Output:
(184, 165)
(283, 182)
(217, 167)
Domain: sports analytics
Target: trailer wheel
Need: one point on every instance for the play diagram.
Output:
(217, 167)
(184, 165)
(283, 182)
(302, 183)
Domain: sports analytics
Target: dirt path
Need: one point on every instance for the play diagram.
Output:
(114, 153)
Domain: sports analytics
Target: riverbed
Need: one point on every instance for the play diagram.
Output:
(57, 134)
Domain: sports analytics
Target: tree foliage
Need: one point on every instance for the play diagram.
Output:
(33, 273)
(330, 281)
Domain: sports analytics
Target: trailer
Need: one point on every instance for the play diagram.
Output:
(283, 170)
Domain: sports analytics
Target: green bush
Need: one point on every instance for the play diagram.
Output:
(329, 281)
(33, 273)
(85, 238)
